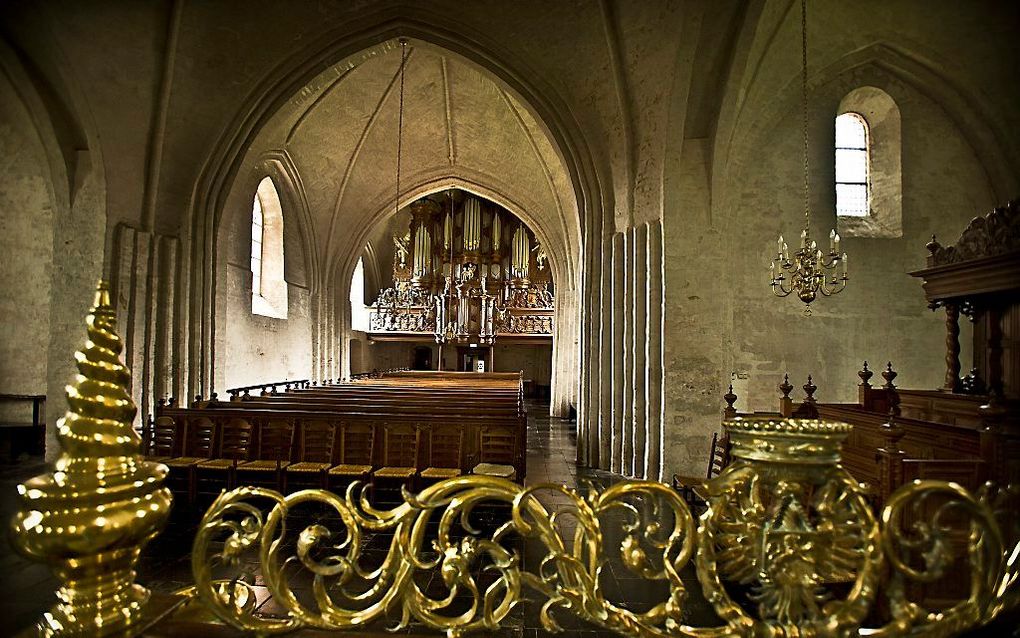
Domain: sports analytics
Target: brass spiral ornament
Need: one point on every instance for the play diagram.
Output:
(91, 515)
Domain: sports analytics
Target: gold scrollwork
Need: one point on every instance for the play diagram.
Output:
(774, 557)
(348, 594)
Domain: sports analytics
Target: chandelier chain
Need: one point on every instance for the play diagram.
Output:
(400, 121)
(804, 108)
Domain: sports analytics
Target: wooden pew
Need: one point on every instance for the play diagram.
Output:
(491, 403)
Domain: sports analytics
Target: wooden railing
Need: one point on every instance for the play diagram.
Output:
(900, 435)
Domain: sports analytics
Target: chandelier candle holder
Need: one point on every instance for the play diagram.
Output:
(808, 271)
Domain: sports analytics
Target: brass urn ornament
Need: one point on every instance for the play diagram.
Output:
(90, 516)
(808, 271)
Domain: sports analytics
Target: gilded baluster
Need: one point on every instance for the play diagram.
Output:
(91, 516)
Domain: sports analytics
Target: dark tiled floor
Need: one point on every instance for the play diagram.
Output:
(165, 565)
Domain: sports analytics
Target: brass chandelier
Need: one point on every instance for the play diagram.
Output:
(808, 271)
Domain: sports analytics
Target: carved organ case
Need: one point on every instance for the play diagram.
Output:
(466, 270)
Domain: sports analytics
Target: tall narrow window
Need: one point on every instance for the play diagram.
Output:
(359, 312)
(268, 285)
(257, 229)
(852, 197)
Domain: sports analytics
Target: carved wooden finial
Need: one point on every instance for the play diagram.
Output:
(809, 391)
(933, 246)
(889, 374)
(729, 411)
(786, 387)
(865, 374)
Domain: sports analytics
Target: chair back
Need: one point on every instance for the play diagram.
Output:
(400, 445)
(275, 440)
(497, 444)
(164, 437)
(446, 445)
(200, 437)
(357, 443)
(317, 442)
(719, 455)
(235, 439)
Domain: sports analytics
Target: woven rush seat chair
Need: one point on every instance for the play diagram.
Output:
(496, 453)
(271, 457)
(165, 440)
(400, 453)
(217, 474)
(692, 489)
(446, 446)
(357, 447)
(199, 437)
(315, 456)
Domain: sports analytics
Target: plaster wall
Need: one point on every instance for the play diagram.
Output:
(26, 251)
(534, 360)
(256, 348)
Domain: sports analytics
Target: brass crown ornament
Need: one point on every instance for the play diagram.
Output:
(90, 516)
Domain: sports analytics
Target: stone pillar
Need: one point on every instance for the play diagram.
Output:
(564, 357)
(605, 353)
(653, 355)
(593, 368)
(618, 350)
(639, 278)
(627, 387)
(78, 250)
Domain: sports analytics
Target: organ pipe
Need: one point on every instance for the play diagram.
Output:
(472, 224)
(422, 252)
(521, 253)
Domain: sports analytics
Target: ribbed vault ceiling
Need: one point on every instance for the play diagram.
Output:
(341, 132)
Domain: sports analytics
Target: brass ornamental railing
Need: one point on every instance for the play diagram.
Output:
(788, 544)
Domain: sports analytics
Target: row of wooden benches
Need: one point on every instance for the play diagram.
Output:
(212, 449)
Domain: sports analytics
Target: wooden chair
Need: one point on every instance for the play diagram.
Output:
(234, 444)
(400, 453)
(357, 449)
(164, 444)
(272, 456)
(315, 456)
(199, 440)
(497, 450)
(693, 489)
(446, 447)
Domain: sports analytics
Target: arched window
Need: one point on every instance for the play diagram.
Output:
(869, 177)
(359, 312)
(852, 171)
(257, 229)
(268, 286)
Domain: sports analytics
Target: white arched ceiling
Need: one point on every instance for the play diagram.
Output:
(461, 128)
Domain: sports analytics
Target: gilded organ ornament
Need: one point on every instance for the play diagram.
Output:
(454, 279)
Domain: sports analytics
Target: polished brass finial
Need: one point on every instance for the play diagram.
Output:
(90, 517)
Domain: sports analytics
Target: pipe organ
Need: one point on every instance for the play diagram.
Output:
(455, 279)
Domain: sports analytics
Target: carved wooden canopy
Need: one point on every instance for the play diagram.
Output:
(985, 260)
